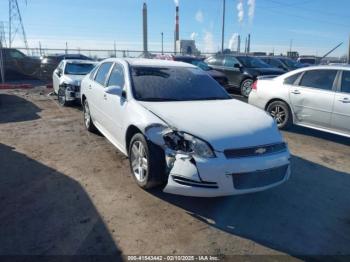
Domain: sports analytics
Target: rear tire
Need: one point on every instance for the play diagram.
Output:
(147, 162)
(89, 124)
(246, 87)
(281, 113)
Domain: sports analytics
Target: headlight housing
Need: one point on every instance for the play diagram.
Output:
(188, 144)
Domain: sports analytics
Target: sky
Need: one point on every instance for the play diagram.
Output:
(313, 27)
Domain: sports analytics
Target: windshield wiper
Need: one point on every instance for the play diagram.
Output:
(157, 99)
(211, 98)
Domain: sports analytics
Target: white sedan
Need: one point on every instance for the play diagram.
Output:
(181, 129)
(316, 97)
(67, 77)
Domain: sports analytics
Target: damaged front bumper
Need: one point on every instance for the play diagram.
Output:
(221, 174)
(191, 176)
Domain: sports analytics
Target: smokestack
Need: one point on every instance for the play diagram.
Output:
(239, 44)
(248, 44)
(177, 28)
(145, 33)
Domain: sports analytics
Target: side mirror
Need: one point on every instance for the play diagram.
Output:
(237, 66)
(114, 90)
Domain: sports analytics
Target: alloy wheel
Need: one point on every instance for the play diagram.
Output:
(139, 161)
(87, 118)
(61, 96)
(279, 114)
(247, 87)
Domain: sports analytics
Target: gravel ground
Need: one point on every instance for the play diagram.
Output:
(64, 191)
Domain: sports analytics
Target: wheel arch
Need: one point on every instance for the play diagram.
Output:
(130, 132)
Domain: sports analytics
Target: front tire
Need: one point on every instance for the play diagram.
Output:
(61, 94)
(246, 87)
(281, 113)
(147, 162)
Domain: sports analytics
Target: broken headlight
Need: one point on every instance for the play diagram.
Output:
(69, 87)
(188, 144)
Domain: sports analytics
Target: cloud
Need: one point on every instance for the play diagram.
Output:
(240, 11)
(194, 35)
(208, 42)
(199, 16)
(251, 10)
(176, 2)
(233, 43)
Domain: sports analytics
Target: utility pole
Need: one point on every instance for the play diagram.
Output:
(115, 49)
(349, 52)
(162, 43)
(2, 69)
(290, 46)
(223, 27)
(40, 52)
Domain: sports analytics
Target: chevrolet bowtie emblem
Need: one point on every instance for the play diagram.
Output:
(260, 151)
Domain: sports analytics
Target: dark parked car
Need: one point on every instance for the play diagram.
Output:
(197, 61)
(242, 71)
(50, 62)
(19, 66)
(285, 63)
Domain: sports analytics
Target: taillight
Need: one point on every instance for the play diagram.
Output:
(255, 85)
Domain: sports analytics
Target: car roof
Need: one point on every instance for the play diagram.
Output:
(150, 62)
(317, 67)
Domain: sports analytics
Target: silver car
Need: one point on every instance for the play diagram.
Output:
(316, 97)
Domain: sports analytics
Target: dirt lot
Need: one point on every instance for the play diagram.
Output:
(65, 191)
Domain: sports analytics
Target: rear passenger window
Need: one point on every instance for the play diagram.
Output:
(230, 61)
(102, 73)
(320, 79)
(345, 82)
(291, 79)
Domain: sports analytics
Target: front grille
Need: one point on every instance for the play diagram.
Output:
(259, 178)
(255, 151)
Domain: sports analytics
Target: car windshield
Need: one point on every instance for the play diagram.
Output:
(252, 62)
(175, 84)
(291, 63)
(202, 65)
(78, 69)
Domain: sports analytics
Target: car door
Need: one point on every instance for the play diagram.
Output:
(312, 99)
(341, 109)
(96, 93)
(233, 73)
(114, 104)
(57, 74)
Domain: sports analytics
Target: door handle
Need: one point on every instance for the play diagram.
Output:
(105, 96)
(345, 100)
(89, 86)
(296, 92)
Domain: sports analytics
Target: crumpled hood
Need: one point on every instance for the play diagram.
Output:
(224, 124)
(72, 79)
